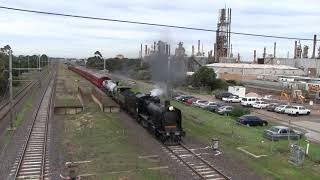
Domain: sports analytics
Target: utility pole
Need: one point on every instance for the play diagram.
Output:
(104, 65)
(39, 67)
(28, 63)
(10, 90)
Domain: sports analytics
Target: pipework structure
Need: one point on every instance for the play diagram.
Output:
(223, 35)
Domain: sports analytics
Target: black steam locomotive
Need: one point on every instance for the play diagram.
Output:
(163, 121)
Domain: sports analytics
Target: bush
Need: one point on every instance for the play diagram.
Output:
(220, 84)
(238, 111)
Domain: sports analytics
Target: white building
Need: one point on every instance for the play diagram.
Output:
(239, 71)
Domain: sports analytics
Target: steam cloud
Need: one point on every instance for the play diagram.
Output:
(166, 70)
(156, 92)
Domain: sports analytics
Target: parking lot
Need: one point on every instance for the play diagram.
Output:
(309, 124)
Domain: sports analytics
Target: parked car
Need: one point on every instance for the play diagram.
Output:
(191, 100)
(276, 133)
(210, 104)
(185, 98)
(200, 103)
(225, 110)
(178, 98)
(214, 108)
(260, 105)
(232, 99)
(297, 110)
(222, 95)
(251, 120)
(271, 107)
(204, 105)
(281, 108)
(248, 101)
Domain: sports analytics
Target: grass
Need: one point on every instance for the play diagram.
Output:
(27, 106)
(205, 125)
(67, 100)
(101, 138)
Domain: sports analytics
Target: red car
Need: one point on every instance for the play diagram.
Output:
(191, 100)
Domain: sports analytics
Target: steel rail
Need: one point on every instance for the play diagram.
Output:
(29, 136)
(17, 98)
(198, 158)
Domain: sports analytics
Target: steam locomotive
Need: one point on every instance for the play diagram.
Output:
(163, 121)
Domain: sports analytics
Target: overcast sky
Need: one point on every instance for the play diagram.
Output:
(29, 33)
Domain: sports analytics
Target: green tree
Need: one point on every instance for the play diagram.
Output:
(98, 54)
(204, 77)
(5, 49)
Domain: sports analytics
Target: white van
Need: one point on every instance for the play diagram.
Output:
(248, 101)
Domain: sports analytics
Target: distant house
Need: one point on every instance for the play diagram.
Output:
(119, 56)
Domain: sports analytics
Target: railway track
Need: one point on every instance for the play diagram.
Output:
(32, 161)
(5, 109)
(21, 91)
(202, 168)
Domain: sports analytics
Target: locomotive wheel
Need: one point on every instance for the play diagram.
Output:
(157, 134)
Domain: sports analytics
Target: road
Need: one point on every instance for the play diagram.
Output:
(309, 124)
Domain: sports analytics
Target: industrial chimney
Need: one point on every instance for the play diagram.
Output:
(167, 49)
(295, 50)
(146, 50)
(202, 52)
(314, 46)
(192, 50)
(141, 52)
(255, 56)
(274, 49)
(198, 46)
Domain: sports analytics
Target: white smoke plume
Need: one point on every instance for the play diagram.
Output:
(156, 92)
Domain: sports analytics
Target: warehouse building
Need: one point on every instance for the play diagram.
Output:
(241, 71)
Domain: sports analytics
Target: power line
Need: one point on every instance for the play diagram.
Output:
(152, 24)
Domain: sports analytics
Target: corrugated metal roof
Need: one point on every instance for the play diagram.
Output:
(251, 66)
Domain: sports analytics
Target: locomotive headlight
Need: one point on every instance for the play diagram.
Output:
(177, 133)
(167, 133)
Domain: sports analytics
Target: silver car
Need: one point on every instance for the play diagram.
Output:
(276, 133)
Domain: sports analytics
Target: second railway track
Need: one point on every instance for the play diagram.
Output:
(202, 168)
(32, 161)
(5, 109)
